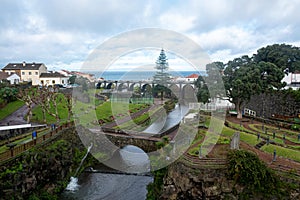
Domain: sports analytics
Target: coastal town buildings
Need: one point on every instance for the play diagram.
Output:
(28, 72)
(53, 78)
(11, 78)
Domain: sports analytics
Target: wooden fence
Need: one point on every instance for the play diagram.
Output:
(16, 150)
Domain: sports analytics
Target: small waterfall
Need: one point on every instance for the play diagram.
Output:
(73, 185)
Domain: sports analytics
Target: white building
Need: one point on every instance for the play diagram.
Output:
(12, 78)
(47, 79)
(28, 72)
(292, 80)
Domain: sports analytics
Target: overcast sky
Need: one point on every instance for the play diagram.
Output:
(62, 33)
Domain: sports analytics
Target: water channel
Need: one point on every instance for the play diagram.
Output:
(109, 186)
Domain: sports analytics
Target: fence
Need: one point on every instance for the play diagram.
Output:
(16, 150)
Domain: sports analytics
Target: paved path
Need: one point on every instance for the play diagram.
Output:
(15, 118)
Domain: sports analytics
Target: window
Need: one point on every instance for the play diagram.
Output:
(23, 73)
(29, 73)
(53, 81)
(36, 73)
(42, 82)
(63, 81)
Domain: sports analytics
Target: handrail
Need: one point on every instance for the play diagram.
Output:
(14, 151)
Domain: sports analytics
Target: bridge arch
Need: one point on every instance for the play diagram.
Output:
(122, 86)
(188, 93)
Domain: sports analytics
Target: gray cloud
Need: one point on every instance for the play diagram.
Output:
(66, 31)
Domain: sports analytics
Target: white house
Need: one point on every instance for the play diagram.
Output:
(292, 80)
(12, 78)
(47, 79)
(28, 72)
(191, 78)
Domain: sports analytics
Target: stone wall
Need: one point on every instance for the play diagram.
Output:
(275, 103)
(184, 182)
(42, 170)
(210, 183)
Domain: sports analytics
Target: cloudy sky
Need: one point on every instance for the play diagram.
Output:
(63, 33)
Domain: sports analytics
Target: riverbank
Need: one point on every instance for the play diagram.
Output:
(44, 171)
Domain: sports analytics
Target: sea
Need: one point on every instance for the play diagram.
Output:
(138, 75)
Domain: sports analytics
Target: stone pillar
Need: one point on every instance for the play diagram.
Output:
(235, 141)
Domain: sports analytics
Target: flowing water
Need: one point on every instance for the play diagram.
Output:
(131, 159)
(106, 186)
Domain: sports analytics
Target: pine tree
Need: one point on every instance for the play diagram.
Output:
(162, 77)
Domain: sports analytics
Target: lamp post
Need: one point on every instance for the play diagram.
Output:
(264, 77)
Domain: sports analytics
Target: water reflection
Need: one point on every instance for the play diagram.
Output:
(97, 186)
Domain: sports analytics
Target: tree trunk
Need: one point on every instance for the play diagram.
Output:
(239, 110)
(29, 115)
(44, 115)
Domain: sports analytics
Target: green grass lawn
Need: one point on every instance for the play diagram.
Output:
(10, 108)
(90, 114)
(290, 135)
(281, 151)
(245, 137)
(137, 124)
(37, 114)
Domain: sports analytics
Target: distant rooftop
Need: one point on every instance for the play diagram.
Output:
(193, 76)
(22, 66)
(52, 75)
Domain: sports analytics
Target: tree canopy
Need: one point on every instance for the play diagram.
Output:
(246, 76)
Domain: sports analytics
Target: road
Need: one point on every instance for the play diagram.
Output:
(15, 118)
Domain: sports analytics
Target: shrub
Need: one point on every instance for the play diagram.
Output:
(246, 169)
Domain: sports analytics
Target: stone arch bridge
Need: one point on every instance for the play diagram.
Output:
(181, 89)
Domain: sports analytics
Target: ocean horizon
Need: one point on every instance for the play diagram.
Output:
(138, 75)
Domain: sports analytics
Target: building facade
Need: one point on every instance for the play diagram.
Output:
(28, 72)
(47, 79)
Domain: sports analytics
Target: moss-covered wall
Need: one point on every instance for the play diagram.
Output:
(44, 171)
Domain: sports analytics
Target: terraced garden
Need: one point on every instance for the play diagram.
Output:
(287, 152)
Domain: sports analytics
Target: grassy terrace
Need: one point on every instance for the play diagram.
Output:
(10, 108)
(290, 151)
(290, 135)
(142, 121)
(88, 113)
(281, 151)
(250, 137)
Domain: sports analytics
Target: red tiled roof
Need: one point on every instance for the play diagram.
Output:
(193, 76)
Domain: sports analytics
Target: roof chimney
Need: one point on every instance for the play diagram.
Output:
(24, 63)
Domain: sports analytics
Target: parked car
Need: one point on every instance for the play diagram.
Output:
(59, 86)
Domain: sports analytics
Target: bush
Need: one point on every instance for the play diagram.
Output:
(246, 169)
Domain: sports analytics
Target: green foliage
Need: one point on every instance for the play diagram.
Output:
(8, 93)
(154, 189)
(282, 55)
(241, 81)
(161, 76)
(72, 79)
(246, 169)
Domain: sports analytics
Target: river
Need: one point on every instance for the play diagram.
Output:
(96, 186)
(105, 186)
